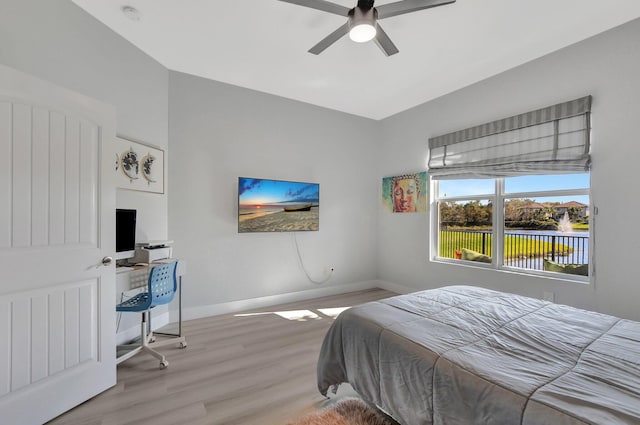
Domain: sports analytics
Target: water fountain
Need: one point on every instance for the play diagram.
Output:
(564, 225)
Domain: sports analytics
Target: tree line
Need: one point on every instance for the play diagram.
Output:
(518, 213)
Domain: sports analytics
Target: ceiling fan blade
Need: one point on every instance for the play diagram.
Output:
(408, 6)
(323, 5)
(330, 39)
(384, 42)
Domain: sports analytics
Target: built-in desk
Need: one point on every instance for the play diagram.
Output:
(135, 278)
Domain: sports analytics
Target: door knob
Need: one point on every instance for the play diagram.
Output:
(106, 261)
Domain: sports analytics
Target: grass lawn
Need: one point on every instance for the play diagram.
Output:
(514, 246)
(580, 226)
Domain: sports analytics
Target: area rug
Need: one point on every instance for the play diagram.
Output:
(351, 411)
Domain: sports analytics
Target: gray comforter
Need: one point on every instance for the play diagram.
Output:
(466, 355)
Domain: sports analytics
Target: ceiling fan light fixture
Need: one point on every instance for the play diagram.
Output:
(362, 33)
(362, 24)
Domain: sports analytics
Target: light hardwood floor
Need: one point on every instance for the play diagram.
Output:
(256, 367)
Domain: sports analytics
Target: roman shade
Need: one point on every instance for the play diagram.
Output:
(552, 140)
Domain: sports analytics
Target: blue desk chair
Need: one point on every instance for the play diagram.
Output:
(161, 288)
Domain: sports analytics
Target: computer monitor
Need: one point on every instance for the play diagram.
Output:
(125, 234)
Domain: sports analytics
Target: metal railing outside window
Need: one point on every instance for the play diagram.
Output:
(522, 249)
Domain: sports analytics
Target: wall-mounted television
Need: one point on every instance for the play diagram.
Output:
(125, 234)
(277, 206)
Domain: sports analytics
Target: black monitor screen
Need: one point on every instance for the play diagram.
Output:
(125, 230)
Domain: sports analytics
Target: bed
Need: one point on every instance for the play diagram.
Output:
(467, 355)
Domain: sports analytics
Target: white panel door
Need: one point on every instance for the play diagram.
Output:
(57, 206)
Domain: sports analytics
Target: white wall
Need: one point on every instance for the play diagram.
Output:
(245, 133)
(607, 67)
(59, 42)
(219, 132)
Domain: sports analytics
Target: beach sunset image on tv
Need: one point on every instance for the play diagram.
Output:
(277, 206)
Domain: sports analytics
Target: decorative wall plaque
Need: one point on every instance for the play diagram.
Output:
(139, 166)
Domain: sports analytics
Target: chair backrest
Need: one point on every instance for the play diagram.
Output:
(162, 283)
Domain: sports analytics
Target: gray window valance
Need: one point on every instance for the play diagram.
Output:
(552, 140)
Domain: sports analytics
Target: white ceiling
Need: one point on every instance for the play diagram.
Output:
(262, 45)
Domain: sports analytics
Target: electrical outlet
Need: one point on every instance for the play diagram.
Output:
(548, 296)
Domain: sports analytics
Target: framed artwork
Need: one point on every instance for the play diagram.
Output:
(139, 166)
(406, 193)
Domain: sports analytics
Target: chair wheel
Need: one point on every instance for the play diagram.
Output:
(164, 364)
(183, 344)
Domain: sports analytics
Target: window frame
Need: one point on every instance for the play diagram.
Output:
(498, 198)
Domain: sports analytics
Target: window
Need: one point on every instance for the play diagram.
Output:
(514, 193)
(536, 223)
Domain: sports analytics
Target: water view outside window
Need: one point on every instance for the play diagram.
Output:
(542, 223)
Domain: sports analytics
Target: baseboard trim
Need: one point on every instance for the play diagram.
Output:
(261, 302)
(191, 313)
(394, 287)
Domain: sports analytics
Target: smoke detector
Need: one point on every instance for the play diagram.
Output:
(131, 12)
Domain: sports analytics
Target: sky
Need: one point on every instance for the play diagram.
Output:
(260, 191)
(455, 188)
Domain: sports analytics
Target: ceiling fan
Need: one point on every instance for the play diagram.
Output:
(362, 23)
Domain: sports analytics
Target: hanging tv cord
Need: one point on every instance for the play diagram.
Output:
(317, 282)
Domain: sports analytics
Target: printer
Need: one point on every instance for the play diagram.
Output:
(151, 251)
